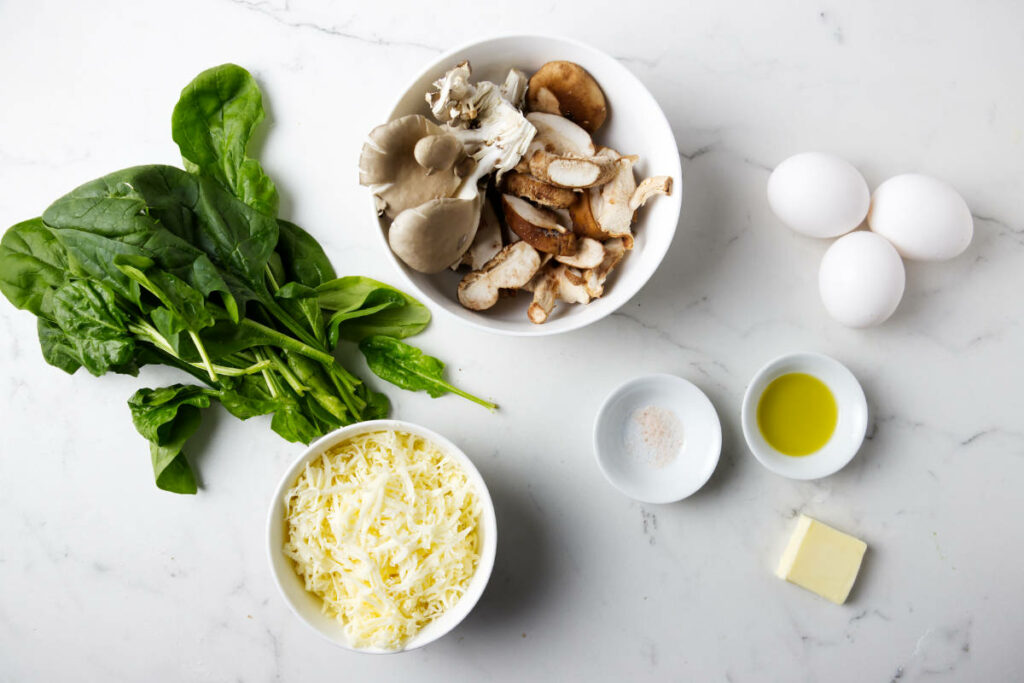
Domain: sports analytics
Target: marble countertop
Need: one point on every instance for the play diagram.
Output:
(103, 577)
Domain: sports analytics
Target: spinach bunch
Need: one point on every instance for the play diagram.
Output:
(193, 269)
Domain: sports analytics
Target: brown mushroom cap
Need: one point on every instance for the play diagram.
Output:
(545, 194)
(572, 172)
(537, 227)
(566, 88)
(388, 166)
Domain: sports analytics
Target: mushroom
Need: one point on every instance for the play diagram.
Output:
(435, 234)
(559, 135)
(545, 194)
(388, 165)
(437, 152)
(537, 227)
(659, 184)
(514, 87)
(589, 254)
(486, 243)
(511, 268)
(553, 283)
(432, 235)
(566, 88)
(570, 171)
(594, 278)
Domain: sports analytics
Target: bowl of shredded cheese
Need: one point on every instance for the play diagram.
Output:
(382, 536)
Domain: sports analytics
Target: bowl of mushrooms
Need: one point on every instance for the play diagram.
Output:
(527, 185)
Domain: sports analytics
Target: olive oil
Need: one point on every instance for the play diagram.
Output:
(797, 414)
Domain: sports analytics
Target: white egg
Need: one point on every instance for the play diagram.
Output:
(924, 218)
(818, 195)
(861, 279)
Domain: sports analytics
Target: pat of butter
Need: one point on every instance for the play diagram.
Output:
(822, 559)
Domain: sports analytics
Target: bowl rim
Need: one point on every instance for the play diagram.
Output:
(836, 454)
(488, 520)
(709, 463)
(676, 172)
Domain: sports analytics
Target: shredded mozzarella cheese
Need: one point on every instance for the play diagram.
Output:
(383, 528)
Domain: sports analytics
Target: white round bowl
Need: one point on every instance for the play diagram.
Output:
(307, 607)
(637, 476)
(851, 423)
(635, 125)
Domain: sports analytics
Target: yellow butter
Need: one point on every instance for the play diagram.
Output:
(822, 559)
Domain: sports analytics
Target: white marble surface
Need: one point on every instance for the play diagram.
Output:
(103, 577)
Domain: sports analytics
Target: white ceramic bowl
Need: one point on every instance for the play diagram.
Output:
(635, 125)
(618, 440)
(307, 607)
(851, 424)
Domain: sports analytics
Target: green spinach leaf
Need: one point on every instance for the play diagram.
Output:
(347, 295)
(407, 367)
(32, 265)
(167, 417)
(212, 124)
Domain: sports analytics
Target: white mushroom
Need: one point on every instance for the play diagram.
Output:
(388, 166)
(514, 87)
(512, 268)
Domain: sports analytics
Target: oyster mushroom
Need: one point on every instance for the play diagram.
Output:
(566, 88)
(511, 268)
(435, 234)
(486, 243)
(437, 152)
(545, 194)
(389, 167)
(537, 227)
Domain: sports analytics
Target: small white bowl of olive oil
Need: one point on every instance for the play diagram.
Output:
(804, 416)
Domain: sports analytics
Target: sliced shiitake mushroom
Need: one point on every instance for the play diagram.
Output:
(589, 254)
(559, 135)
(566, 88)
(512, 268)
(537, 226)
(552, 283)
(572, 172)
(649, 187)
(545, 194)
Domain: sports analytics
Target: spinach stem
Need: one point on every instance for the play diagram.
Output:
(202, 354)
(286, 372)
(286, 342)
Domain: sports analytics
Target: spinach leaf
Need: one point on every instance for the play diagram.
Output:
(407, 367)
(57, 349)
(346, 295)
(140, 211)
(32, 264)
(167, 417)
(236, 237)
(301, 301)
(302, 257)
(212, 124)
(94, 327)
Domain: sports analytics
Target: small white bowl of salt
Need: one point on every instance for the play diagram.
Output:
(657, 438)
